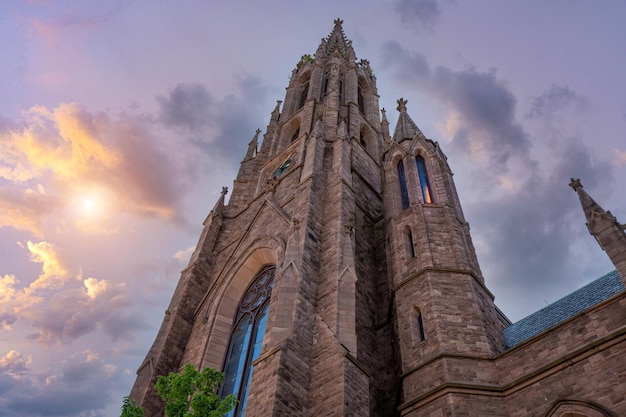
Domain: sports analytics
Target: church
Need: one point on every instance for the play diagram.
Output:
(341, 279)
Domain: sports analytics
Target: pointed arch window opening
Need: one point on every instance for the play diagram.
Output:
(326, 83)
(419, 335)
(361, 100)
(404, 191)
(362, 141)
(303, 95)
(427, 196)
(246, 338)
(410, 247)
(295, 135)
(341, 88)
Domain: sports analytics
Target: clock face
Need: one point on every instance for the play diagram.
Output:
(281, 169)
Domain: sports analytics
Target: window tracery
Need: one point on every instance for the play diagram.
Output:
(246, 338)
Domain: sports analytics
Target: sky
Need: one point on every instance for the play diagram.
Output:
(120, 121)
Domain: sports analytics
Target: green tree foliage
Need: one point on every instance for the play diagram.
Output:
(130, 408)
(194, 394)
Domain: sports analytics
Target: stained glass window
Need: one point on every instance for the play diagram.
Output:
(246, 338)
(424, 183)
(404, 191)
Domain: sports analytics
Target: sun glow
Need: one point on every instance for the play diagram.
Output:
(90, 203)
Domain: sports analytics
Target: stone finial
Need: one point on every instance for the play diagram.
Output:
(224, 190)
(401, 105)
(575, 183)
(338, 22)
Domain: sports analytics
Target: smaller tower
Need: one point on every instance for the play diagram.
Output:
(445, 314)
(605, 228)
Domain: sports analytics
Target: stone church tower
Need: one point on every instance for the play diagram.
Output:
(340, 279)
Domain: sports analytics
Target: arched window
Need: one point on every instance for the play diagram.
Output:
(408, 242)
(326, 83)
(303, 94)
(404, 191)
(574, 408)
(246, 338)
(295, 135)
(361, 100)
(427, 196)
(417, 326)
(341, 88)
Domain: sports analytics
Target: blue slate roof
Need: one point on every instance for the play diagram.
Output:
(561, 310)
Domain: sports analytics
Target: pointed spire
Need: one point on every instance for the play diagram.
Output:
(384, 123)
(253, 146)
(590, 207)
(336, 41)
(276, 112)
(406, 127)
(604, 227)
(218, 209)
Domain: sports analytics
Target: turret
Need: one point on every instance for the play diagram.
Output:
(443, 308)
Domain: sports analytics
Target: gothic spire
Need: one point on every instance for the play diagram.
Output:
(253, 146)
(405, 127)
(604, 227)
(336, 41)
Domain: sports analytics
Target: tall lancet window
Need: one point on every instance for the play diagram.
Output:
(246, 337)
(427, 196)
(361, 99)
(303, 95)
(404, 191)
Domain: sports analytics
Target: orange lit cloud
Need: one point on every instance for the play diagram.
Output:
(620, 157)
(72, 152)
(53, 271)
(14, 363)
(70, 312)
(24, 209)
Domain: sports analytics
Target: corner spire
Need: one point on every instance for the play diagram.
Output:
(253, 146)
(405, 127)
(604, 227)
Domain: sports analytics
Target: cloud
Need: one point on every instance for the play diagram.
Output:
(14, 302)
(78, 387)
(60, 311)
(184, 255)
(53, 271)
(75, 312)
(93, 16)
(14, 363)
(531, 237)
(620, 157)
(556, 99)
(421, 15)
(188, 106)
(481, 109)
(220, 128)
(69, 151)
(25, 208)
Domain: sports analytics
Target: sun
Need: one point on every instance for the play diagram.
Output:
(89, 204)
